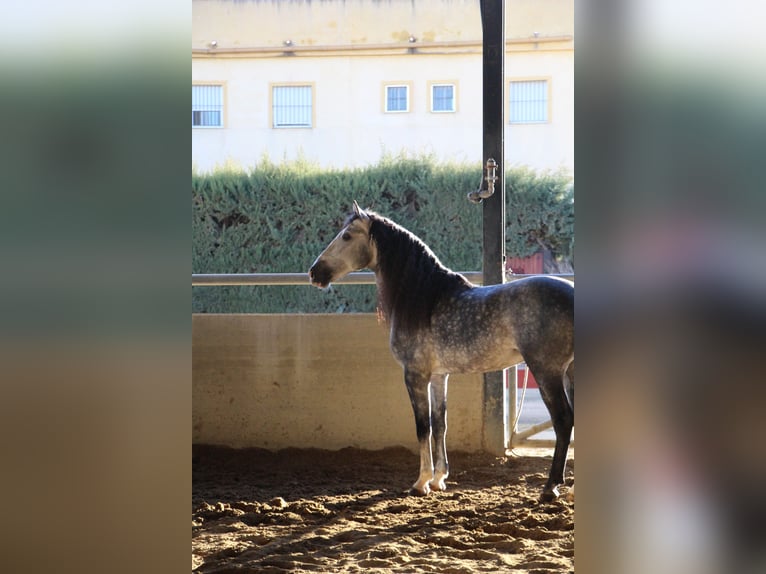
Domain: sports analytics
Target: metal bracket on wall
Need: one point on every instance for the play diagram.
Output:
(490, 176)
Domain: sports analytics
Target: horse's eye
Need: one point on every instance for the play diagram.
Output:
(346, 236)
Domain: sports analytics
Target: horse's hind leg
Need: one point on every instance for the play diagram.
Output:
(569, 384)
(569, 389)
(439, 430)
(418, 389)
(562, 415)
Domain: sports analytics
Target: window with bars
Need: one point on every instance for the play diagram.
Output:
(292, 106)
(207, 106)
(397, 98)
(443, 97)
(528, 102)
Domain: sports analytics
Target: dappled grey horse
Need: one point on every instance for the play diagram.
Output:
(441, 324)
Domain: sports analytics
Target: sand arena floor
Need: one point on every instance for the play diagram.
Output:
(348, 511)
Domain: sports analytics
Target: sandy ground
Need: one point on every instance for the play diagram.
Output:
(348, 511)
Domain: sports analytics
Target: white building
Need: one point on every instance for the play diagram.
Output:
(341, 82)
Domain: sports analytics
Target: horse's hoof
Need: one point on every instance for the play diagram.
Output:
(550, 494)
(439, 485)
(415, 492)
(420, 490)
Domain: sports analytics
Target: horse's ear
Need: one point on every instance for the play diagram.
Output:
(358, 211)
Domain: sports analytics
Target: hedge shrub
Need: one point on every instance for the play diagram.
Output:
(277, 218)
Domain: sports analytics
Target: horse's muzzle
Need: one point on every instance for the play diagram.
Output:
(320, 274)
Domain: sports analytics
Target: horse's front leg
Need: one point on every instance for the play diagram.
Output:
(418, 389)
(439, 430)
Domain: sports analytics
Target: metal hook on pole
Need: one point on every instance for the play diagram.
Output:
(491, 177)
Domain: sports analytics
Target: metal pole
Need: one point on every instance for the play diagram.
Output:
(493, 28)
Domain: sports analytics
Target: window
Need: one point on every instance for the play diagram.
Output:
(528, 102)
(207, 106)
(443, 98)
(292, 106)
(397, 98)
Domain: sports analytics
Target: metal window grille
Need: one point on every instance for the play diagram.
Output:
(396, 99)
(207, 106)
(529, 102)
(443, 98)
(292, 106)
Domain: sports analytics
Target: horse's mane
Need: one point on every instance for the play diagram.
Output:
(412, 280)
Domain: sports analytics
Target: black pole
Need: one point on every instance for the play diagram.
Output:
(493, 29)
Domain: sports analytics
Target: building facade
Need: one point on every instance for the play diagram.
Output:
(343, 82)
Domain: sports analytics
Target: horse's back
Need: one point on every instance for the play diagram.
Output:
(553, 294)
(530, 298)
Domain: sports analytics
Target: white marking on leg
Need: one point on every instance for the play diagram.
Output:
(439, 480)
(422, 484)
(439, 429)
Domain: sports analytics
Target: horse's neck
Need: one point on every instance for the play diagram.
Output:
(427, 262)
(410, 281)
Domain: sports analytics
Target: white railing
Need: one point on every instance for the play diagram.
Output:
(357, 278)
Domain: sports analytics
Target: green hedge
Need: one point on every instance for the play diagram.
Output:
(278, 218)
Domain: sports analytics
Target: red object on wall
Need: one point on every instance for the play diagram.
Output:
(531, 382)
(531, 265)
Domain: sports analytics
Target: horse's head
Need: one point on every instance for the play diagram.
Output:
(351, 250)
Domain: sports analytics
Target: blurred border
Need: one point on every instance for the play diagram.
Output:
(95, 398)
(671, 290)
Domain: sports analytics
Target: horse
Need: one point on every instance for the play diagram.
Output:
(440, 323)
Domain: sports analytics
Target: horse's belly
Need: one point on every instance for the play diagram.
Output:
(475, 360)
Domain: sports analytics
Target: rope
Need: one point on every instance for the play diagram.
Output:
(521, 401)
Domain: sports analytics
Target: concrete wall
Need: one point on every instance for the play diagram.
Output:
(321, 381)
